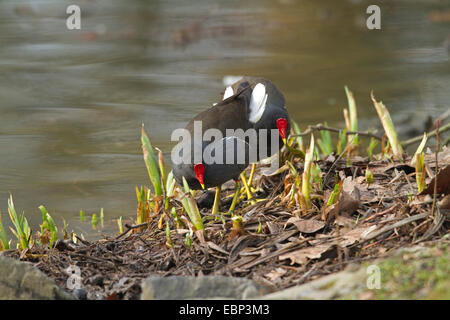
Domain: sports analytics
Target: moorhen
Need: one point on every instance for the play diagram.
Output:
(250, 103)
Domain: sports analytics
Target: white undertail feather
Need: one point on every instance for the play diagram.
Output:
(257, 103)
(228, 93)
(230, 80)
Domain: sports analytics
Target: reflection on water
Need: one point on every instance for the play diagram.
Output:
(72, 102)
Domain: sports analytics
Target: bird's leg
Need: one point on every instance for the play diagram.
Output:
(250, 180)
(215, 209)
(235, 197)
(247, 189)
(252, 173)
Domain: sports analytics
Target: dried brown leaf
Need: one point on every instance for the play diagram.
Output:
(303, 255)
(443, 183)
(347, 203)
(355, 235)
(306, 225)
(275, 274)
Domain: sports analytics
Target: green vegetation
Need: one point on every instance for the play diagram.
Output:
(49, 231)
(416, 276)
(22, 229)
(389, 128)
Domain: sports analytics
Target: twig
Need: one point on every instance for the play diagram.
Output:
(431, 134)
(337, 159)
(131, 228)
(382, 212)
(435, 226)
(321, 127)
(438, 145)
(86, 243)
(379, 232)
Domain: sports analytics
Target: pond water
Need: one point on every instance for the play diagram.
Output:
(72, 102)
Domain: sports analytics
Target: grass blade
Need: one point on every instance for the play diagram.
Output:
(298, 139)
(120, 225)
(420, 172)
(151, 163)
(191, 208)
(306, 176)
(22, 229)
(371, 147)
(326, 143)
(419, 149)
(4, 242)
(388, 126)
(353, 114)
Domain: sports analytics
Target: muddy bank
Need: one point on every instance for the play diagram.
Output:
(279, 246)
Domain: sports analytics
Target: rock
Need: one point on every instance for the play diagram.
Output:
(327, 287)
(22, 281)
(80, 294)
(207, 287)
(354, 282)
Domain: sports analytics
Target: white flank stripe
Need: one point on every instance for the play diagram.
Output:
(257, 103)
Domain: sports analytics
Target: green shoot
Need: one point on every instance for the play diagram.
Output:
(298, 139)
(143, 210)
(419, 149)
(325, 144)
(169, 242)
(369, 176)
(316, 175)
(22, 230)
(120, 225)
(237, 224)
(73, 237)
(170, 187)
(64, 230)
(353, 114)
(334, 196)
(151, 163)
(306, 176)
(191, 208)
(342, 141)
(94, 221)
(48, 224)
(102, 217)
(188, 240)
(389, 128)
(371, 147)
(176, 218)
(82, 215)
(162, 167)
(4, 242)
(420, 172)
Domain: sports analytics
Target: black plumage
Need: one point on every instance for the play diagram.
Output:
(241, 109)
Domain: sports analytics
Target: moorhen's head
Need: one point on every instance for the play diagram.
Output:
(221, 160)
(267, 105)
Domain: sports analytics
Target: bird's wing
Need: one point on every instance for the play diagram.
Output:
(232, 97)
